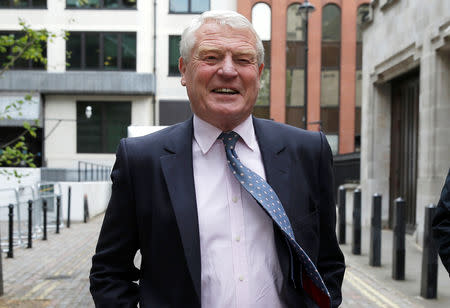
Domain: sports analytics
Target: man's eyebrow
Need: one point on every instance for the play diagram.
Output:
(203, 50)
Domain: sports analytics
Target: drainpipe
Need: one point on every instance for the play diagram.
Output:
(155, 4)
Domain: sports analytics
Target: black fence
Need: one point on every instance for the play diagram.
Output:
(92, 172)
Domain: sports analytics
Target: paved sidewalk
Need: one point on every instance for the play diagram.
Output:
(54, 273)
(367, 286)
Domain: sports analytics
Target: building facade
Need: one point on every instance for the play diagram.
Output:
(119, 59)
(405, 106)
(333, 67)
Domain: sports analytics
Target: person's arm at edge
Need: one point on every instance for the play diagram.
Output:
(330, 263)
(113, 274)
(441, 224)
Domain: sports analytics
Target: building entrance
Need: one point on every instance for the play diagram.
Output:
(404, 139)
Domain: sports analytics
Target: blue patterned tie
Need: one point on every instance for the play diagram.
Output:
(268, 199)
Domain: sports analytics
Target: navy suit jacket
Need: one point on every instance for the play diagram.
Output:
(153, 208)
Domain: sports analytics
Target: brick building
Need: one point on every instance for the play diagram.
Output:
(334, 66)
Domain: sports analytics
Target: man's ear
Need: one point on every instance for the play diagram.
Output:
(260, 69)
(182, 69)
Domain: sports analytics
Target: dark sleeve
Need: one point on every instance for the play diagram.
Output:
(441, 224)
(113, 274)
(330, 263)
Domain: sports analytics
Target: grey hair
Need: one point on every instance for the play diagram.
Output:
(228, 18)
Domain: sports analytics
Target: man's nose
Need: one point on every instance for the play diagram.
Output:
(228, 69)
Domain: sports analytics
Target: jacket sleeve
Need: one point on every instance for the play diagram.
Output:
(441, 224)
(113, 274)
(330, 264)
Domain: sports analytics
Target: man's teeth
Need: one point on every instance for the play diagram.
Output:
(225, 91)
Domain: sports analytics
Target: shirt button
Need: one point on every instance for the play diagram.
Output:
(238, 238)
(241, 278)
(235, 199)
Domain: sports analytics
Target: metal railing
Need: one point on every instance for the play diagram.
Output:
(88, 171)
(21, 213)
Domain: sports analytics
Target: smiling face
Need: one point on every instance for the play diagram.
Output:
(222, 75)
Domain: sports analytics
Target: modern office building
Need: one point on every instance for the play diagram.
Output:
(119, 58)
(406, 106)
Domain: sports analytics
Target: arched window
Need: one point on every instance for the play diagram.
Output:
(261, 20)
(363, 11)
(295, 67)
(330, 74)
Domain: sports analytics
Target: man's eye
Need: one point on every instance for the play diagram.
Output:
(244, 60)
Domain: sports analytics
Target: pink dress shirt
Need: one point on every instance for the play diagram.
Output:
(239, 262)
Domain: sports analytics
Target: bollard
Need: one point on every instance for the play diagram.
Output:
(356, 243)
(58, 209)
(86, 208)
(398, 247)
(341, 214)
(429, 277)
(44, 210)
(69, 195)
(30, 223)
(10, 253)
(375, 232)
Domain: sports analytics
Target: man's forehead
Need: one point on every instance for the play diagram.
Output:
(215, 37)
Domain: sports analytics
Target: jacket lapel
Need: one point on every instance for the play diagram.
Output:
(178, 173)
(276, 160)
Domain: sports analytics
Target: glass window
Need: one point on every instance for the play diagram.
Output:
(74, 50)
(101, 51)
(330, 74)
(19, 4)
(128, 51)
(261, 17)
(101, 4)
(110, 45)
(295, 68)
(92, 50)
(189, 6)
(174, 54)
(102, 132)
(21, 63)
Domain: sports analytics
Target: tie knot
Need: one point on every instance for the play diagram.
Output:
(229, 139)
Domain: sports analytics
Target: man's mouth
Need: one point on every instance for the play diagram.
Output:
(225, 91)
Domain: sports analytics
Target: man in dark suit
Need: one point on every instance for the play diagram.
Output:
(249, 226)
(441, 224)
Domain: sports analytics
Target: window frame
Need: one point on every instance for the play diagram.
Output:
(28, 7)
(103, 124)
(30, 62)
(189, 10)
(102, 6)
(101, 66)
(169, 73)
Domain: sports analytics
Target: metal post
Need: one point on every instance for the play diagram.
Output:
(86, 208)
(1, 274)
(375, 232)
(398, 247)
(58, 209)
(10, 253)
(341, 212)
(305, 77)
(30, 223)
(356, 243)
(44, 210)
(428, 283)
(69, 196)
(92, 172)
(79, 171)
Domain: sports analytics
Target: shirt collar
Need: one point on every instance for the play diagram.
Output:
(206, 134)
